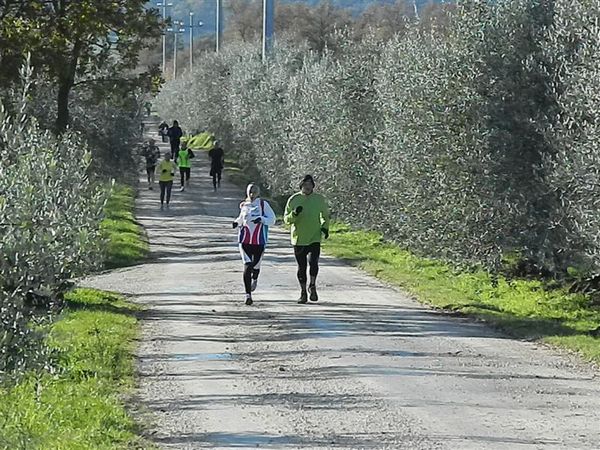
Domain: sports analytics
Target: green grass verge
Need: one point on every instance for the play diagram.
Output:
(81, 406)
(522, 308)
(126, 241)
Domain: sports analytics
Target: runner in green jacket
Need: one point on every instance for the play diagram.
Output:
(185, 165)
(308, 214)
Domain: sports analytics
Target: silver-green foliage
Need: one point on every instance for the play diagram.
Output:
(463, 140)
(49, 219)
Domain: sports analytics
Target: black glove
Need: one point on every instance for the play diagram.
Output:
(234, 224)
(325, 232)
(298, 210)
(257, 220)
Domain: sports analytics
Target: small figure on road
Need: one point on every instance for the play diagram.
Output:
(256, 216)
(166, 174)
(217, 162)
(175, 133)
(184, 156)
(308, 214)
(163, 130)
(151, 152)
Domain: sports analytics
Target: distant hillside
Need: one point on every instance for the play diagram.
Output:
(204, 10)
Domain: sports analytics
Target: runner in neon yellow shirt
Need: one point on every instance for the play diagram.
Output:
(184, 156)
(166, 174)
(308, 214)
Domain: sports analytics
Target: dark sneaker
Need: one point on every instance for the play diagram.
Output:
(313, 294)
(303, 298)
(249, 300)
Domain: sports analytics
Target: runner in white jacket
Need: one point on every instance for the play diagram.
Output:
(256, 216)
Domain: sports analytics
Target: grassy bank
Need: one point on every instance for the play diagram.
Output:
(80, 406)
(126, 240)
(522, 308)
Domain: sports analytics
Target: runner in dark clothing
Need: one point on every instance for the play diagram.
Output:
(217, 161)
(163, 130)
(175, 133)
(151, 152)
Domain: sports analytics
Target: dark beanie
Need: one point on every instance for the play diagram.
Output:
(307, 178)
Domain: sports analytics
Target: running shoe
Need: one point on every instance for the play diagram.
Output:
(303, 297)
(249, 300)
(313, 293)
(253, 285)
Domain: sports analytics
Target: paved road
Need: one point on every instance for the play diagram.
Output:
(366, 367)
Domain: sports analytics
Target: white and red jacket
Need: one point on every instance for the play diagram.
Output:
(255, 233)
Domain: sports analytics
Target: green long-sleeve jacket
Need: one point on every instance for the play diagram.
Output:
(306, 226)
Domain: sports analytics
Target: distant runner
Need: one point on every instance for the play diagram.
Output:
(256, 216)
(166, 174)
(217, 162)
(175, 133)
(308, 214)
(163, 131)
(151, 152)
(185, 166)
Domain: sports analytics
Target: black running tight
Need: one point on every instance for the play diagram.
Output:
(252, 255)
(302, 252)
(165, 190)
(185, 174)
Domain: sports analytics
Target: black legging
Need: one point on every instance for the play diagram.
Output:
(174, 148)
(252, 257)
(216, 174)
(185, 174)
(165, 188)
(301, 253)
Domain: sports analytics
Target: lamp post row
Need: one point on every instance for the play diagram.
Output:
(267, 35)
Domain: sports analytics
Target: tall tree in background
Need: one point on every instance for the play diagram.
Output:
(319, 26)
(244, 19)
(385, 20)
(77, 42)
(316, 25)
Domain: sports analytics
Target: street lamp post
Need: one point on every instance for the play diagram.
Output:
(164, 5)
(191, 40)
(176, 29)
(192, 26)
(267, 40)
(219, 25)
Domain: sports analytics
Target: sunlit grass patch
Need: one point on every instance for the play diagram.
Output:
(79, 405)
(126, 241)
(523, 308)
